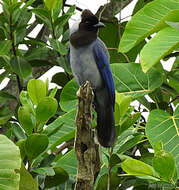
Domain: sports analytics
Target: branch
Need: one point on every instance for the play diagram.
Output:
(87, 150)
(14, 49)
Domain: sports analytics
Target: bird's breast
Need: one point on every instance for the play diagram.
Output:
(84, 67)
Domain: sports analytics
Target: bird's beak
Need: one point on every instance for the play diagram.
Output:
(99, 25)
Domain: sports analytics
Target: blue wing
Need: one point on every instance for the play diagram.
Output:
(68, 55)
(102, 61)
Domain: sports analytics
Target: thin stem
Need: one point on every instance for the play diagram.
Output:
(14, 49)
(53, 29)
(109, 169)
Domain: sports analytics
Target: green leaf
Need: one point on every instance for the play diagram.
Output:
(137, 168)
(10, 163)
(21, 145)
(158, 147)
(35, 145)
(139, 5)
(121, 106)
(58, 46)
(26, 119)
(53, 92)
(60, 78)
(161, 126)
(69, 163)
(68, 98)
(60, 177)
(21, 67)
(43, 14)
(50, 4)
(65, 17)
(148, 20)
(26, 101)
(114, 159)
(44, 171)
(36, 90)
(164, 163)
(46, 108)
(128, 122)
(159, 47)
(130, 143)
(5, 47)
(18, 131)
(111, 27)
(26, 180)
(173, 24)
(62, 129)
(130, 80)
(102, 183)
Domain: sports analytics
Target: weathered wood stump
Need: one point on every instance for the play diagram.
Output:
(87, 150)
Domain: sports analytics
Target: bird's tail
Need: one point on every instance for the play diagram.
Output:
(105, 118)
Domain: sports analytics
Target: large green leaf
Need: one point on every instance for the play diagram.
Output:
(68, 98)
(46, 108)
(35, 145)
(21, 67)
(43, 14)
(69, 163)
(50, 4)
(130, 80)
(137, 168)
(158, 47)
(111, 41)
(164, 163)
(148, 20)
(58, 46)
(161, 126)
(26, 119)
(36, 90)
(60, 177)
(26, 180)
(62, 129)
(10, 163)
(5, 47)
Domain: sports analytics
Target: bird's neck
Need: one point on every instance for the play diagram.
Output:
(82, 38)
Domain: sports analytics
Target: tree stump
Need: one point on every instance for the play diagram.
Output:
(87, 150)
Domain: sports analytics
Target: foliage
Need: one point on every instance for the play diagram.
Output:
(41, 121)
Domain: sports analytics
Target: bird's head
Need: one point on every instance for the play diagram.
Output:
(89, 22)
(85, 32)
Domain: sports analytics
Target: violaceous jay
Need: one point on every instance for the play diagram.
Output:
(89, 60)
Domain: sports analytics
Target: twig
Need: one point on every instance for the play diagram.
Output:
(14, 49)
(65, 145)
(77, 8)
(109, 169)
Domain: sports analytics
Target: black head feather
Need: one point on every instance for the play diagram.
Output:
(87, 31)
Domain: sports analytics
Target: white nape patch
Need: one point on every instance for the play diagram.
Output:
(151, 150)
(137, 153)
(75, 27)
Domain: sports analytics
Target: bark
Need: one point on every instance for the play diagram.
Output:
(87, 150)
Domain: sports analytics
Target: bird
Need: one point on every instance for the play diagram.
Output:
(89, 61)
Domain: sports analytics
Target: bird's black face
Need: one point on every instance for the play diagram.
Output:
(89, 22)
(87, 31)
